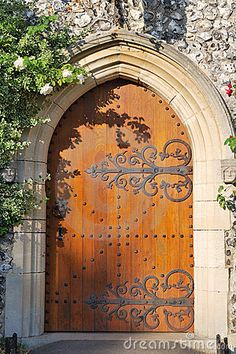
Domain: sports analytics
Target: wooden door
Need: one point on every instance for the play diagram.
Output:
(119, 226)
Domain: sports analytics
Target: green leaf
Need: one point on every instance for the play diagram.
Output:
(42, 47)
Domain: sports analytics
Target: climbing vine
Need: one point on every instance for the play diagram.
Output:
(34, 63)
(231, 141)
(227, 193)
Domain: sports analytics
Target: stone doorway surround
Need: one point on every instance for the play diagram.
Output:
(122, 54)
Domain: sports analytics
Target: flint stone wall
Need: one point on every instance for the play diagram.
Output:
(204, 30)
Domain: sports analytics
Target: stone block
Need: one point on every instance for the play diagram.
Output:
(209, 249)
(210, 314)
(31, 169)
(29, 253)
(208, 215)
(211, 279)
(22, 290)
(31, 225)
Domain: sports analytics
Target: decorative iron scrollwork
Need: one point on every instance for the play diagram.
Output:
(141, 301)
(139, 171)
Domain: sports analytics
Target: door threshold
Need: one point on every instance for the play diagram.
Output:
(48, 338)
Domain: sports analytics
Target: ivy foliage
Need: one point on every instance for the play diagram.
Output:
(231, 142)
(15, 200)
(34, 62)
(226, 197)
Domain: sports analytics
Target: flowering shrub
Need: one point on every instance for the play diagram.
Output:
(231, 89)
(34, 62)
(227, 193)
(231, 141)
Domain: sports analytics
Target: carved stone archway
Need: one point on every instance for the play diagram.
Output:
(170, 74)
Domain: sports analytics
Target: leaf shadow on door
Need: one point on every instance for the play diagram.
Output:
(82, 114)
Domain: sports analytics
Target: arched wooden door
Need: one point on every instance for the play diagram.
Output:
(119, 227)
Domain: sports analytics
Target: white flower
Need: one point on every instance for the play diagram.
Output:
(81, 78)
(66, 73)
(46, 90)
(19, 64)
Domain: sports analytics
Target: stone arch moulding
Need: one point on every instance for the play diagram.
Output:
(170, 74)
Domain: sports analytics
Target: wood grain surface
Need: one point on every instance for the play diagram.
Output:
(113, 238)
